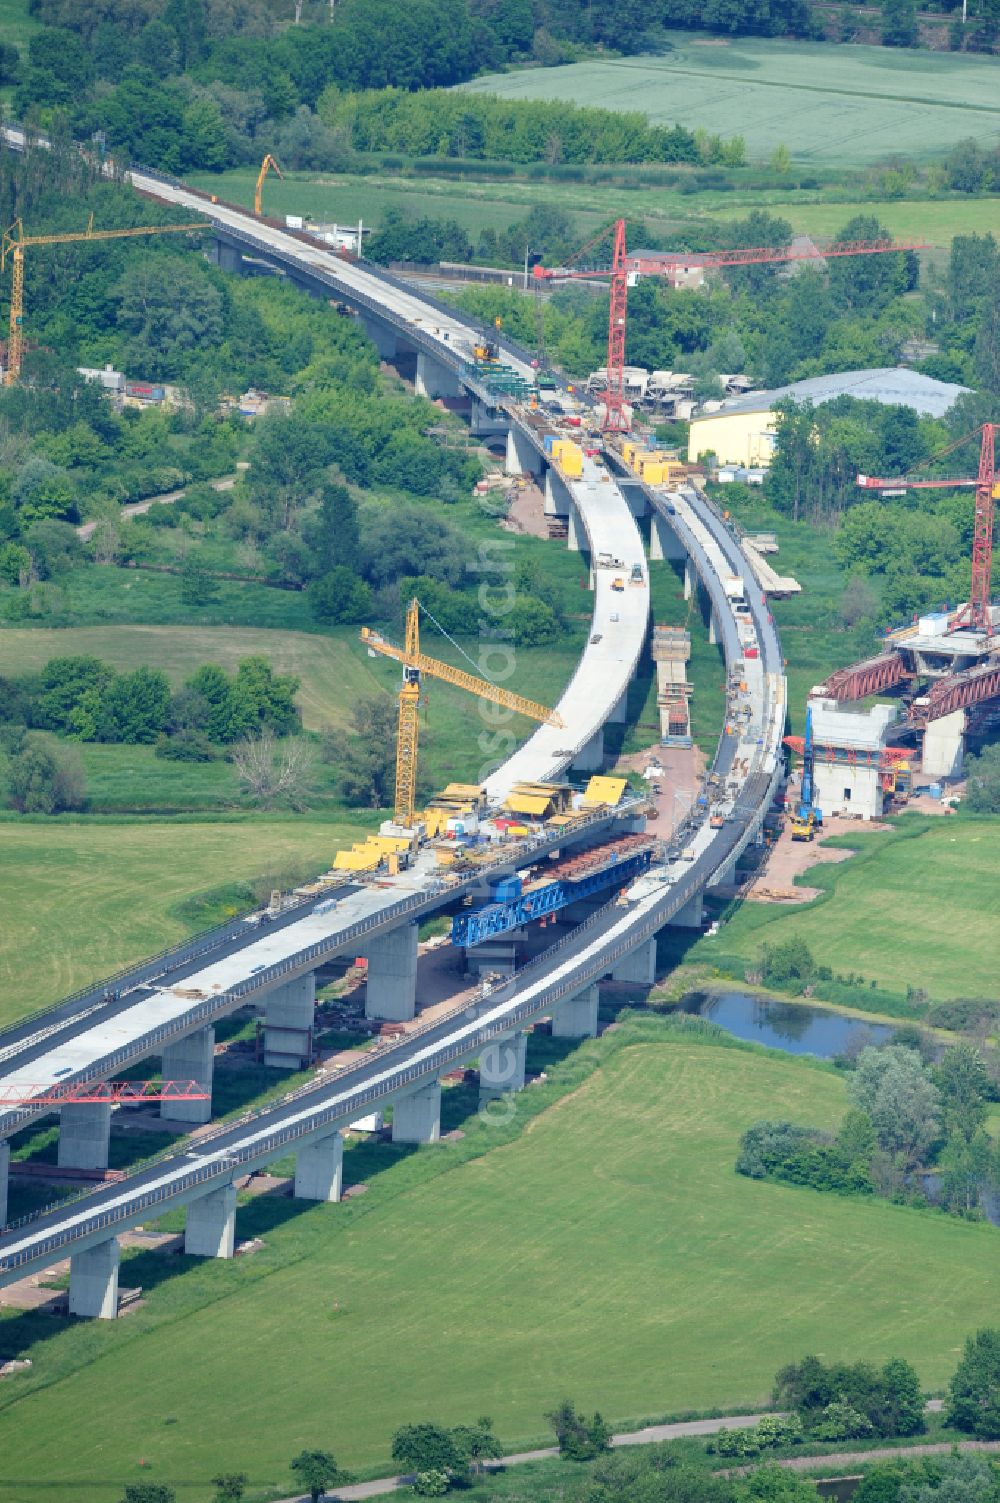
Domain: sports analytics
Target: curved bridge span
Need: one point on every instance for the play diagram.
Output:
(149, 1010)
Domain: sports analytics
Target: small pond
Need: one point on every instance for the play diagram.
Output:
(792, 1026)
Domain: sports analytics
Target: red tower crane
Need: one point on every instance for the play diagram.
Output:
(977, 612)
(615, 419)
(625, 270)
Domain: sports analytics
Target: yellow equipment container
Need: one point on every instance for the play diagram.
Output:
(629, 449)
(570, 460)
(602, 790)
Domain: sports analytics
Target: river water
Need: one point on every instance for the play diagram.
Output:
(791, 1026)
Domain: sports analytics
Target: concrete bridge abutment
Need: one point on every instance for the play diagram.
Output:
(944, 746)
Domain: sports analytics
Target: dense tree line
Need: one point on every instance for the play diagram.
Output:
(907, 1115)
(436, 122)
(84, 699)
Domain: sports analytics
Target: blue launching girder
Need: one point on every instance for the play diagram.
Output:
(477, 924)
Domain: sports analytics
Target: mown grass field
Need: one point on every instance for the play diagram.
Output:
(80, 899)
(836, 106)
(608, 1252)
(914, 908)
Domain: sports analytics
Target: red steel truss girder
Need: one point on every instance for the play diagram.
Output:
(883, 756)
(873, 676)
(100, 1092)
(957, 692)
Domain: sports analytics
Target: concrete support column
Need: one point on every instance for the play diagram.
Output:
(190, 1058)
(382, 336)
(4, 1180)
(590, 758)
(712, 636)
(498, 955)
(663, 540)
(416, 1118)
(319, 1169)
(391, 990)
(522, 456)
(501, 1066)
(434, 379)
(690, 916)
(229, 258)
(619, 713)
(576, 533)
(288, 1023)
(639, 966)
(93, 1281)
(210, 1231)
(558, 501)
(944, 746)
(84, 1134)
(576, 1018)
(689, 581)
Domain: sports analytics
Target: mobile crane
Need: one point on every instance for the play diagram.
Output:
(808, 817)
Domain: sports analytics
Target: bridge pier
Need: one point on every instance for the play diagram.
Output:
(501, 1066)
(944, 746)
(319, 1169)
(93, 1281)
(416, 1117)
(590, 757)
(639, 966)
(210, 1231)
(486, 421)
(190, 1058)
(84, 1136)
(227, 258)
(576, 1018)
(558, 501)
(522, 456)
(713, 640)
(689, 917)
(663, 540)
(690, 580)
(434, 379)
(289, 1012)
(576, 534)
(499, 954)
(391, 990)
(4, 1181)
(619, 714)
(382, 336)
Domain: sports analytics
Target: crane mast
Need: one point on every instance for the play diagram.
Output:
(415, 663)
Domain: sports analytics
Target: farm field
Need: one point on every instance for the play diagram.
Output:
(607, 1251)
(476, 204)
(81, 898)
(913, 909)
(835, 106)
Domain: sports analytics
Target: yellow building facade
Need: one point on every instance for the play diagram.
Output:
(743, 438)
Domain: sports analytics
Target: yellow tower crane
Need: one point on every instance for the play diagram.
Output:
(15, 242)
(266, 166)
(414, 664)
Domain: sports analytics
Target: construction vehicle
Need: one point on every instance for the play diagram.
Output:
(486, 351)
(266, 166)
(808, 817)
(414, 664)
(15, 242)
(618, 583)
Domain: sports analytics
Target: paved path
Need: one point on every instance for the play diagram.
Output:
(138, 508)
(841, 1459)
(382, 1485)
